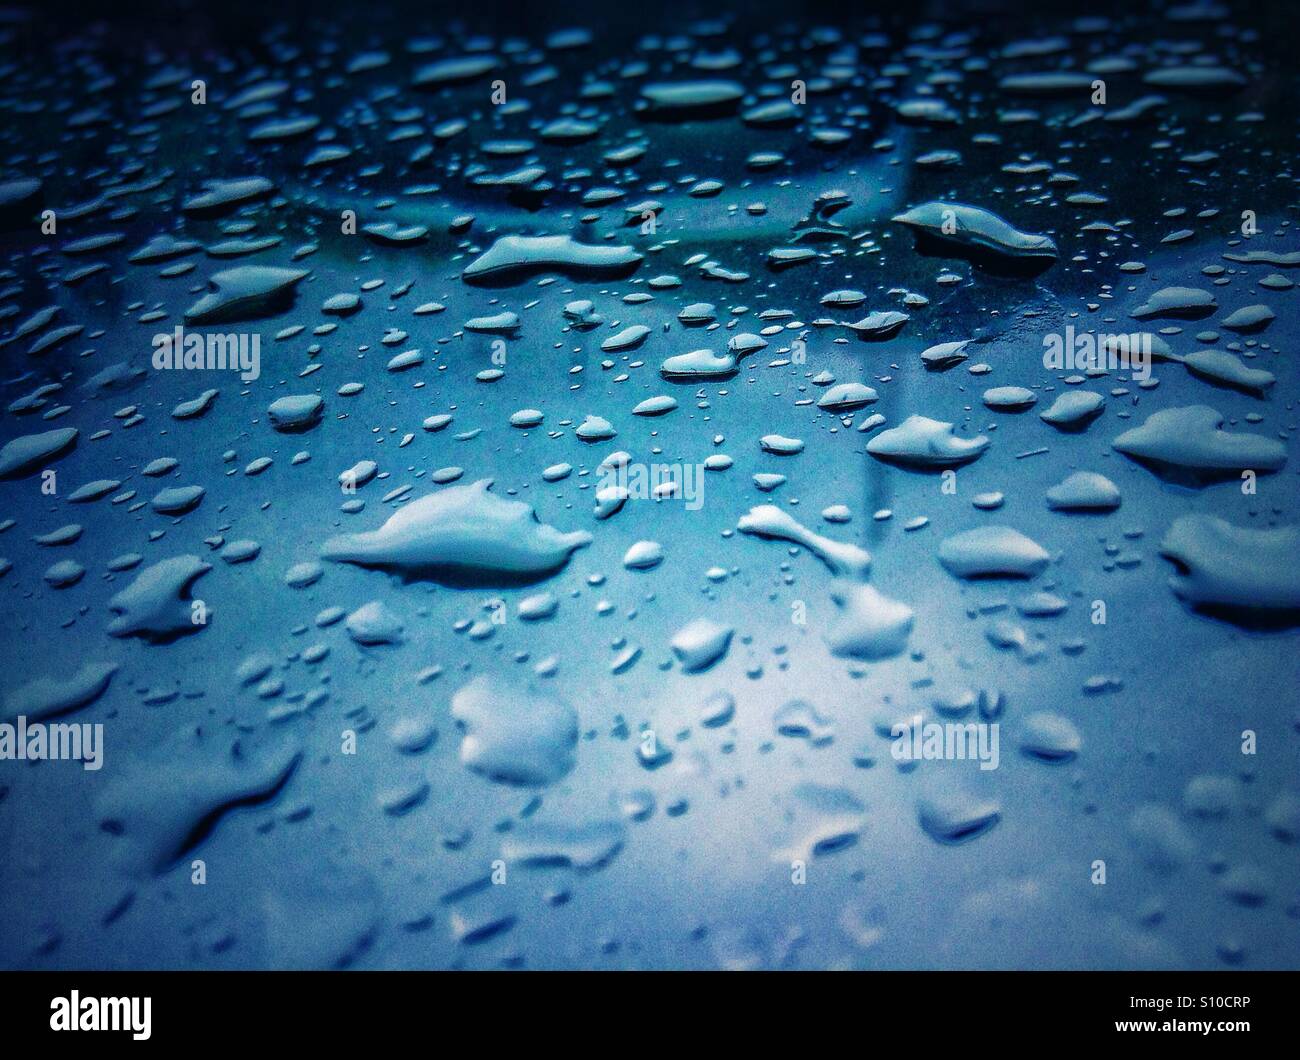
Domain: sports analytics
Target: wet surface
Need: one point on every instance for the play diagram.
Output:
(644, 457)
